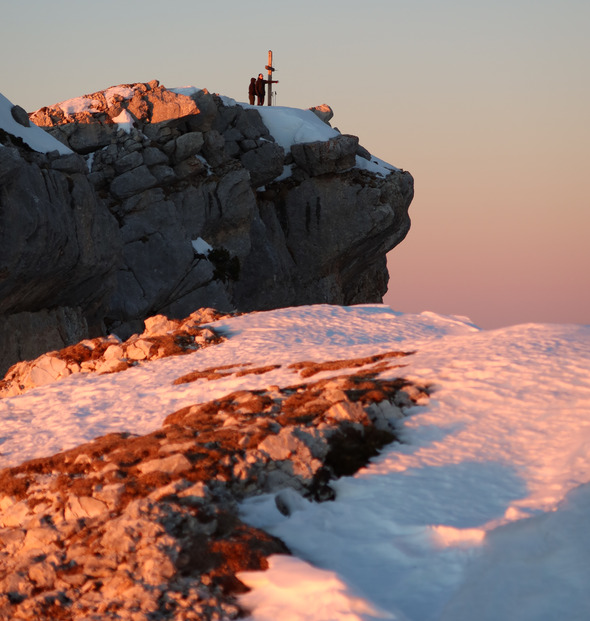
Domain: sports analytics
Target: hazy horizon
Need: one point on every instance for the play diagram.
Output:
(487, 105)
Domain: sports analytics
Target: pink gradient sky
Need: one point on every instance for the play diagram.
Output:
(486, 104)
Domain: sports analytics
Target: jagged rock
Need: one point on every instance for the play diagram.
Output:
(89, 137)
(187, 145)
(166, 105)
(283, 445)
(108, 230)
(347, 411)
(160, 338)
(264, 163)
(46, 370)
(332, 156)
(159, 325)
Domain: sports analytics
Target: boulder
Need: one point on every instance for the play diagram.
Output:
(132, 182)
(323, 112)
(326, 157)
(89, 137)
(264, 163)
(188, 144)
(166, 105)
(20, 116)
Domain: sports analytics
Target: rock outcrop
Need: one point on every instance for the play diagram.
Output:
(148, 527)
(161, 338)
(95, 241)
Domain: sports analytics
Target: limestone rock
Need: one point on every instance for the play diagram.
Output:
(159, 324)
(46, 370)
(96, 241)
(20, 116)
(328, 157)
(171, 465)
(265, 163)
(80, 507)
(133, 182)
(166, 105)
(188, 144)
(323, 112)
(88, 137)
(160, 339)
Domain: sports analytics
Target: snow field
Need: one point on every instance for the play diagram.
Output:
(480, 513)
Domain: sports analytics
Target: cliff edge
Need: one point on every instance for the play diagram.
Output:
(152, 200)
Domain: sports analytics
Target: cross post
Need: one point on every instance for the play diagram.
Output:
(269, 80)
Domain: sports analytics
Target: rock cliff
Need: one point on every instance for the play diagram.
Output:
(174, 200)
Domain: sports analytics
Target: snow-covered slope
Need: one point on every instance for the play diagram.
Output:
(480, 514)
(35, 137)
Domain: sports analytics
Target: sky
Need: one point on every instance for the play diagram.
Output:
(479, 513)
(487, 104)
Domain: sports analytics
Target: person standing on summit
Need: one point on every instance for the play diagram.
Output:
(260, 89)
(252, 91)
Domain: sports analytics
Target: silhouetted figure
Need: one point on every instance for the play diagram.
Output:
(260, 89)
(252, 91)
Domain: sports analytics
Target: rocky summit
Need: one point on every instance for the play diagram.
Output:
(170, 200)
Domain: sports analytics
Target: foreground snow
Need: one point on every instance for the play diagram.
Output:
(480, 514)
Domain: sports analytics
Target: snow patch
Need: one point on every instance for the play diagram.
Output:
(125, 121)
(78, 105)
(200, 246)
(124, 92)
(189, 91)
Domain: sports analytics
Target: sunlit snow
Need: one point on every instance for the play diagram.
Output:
(482, 511)
(125, 121)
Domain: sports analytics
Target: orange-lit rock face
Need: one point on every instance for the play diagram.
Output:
(148, 103)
